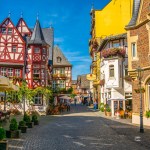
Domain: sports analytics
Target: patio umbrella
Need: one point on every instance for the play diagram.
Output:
(4, 81)
(65, 97)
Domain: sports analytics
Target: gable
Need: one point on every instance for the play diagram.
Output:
(8, 30)
(23, 28)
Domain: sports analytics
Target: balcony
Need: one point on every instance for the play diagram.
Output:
(59, 76)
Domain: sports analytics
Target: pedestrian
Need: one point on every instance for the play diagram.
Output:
(68, 105)
(75, 101)
(95, 105)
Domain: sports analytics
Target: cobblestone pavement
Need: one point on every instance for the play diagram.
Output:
(81, 129)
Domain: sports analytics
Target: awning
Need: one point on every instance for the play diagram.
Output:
(117, 99)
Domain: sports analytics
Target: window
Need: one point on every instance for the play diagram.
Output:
(133, 48)
(149, 95)
(38, 99)
(42, 73)
(126, 70)
(62, 70)
(95, 57)
(36, 73)
(44, 50)
(58, 59)
(9, 30)
(62, 84)
(14, 48)
(116, 44)
(3, 71)
(55, 71)
(17, 72)
(10, 72)
(36, 50)
(4, 30)
(111, 71)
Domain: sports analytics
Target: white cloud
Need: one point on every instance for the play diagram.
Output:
(58, 40)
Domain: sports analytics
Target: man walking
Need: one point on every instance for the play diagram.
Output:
(68, 105)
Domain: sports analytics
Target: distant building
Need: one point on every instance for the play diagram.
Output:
(62, 70)
(83, 85)
(74, 86)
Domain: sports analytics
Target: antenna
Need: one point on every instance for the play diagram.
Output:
(21, 14)
(9, 14)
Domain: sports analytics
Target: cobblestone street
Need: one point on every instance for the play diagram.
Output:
(81, 129)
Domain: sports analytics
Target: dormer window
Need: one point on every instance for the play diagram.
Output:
(58, 59)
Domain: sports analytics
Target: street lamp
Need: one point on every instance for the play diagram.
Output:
(139, 76)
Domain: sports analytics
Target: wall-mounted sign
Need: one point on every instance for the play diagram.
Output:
(91, 77)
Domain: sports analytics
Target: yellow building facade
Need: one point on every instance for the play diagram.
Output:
(111, 20)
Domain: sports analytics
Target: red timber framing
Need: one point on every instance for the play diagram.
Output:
(12, 50)
(36, 70)
(23, 28)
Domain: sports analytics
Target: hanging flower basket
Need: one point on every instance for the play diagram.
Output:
(142, 90)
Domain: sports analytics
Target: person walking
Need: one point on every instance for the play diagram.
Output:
(75, 101)
(68, 105)
(95, 105)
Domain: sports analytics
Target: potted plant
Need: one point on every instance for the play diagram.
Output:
(35, 119)
(13, 131)
(27, 119)
(108, 111)
(147, 114)
(22, 126)
(3, 142)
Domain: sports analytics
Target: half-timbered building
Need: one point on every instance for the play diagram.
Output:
(62, 70)
(26, 53)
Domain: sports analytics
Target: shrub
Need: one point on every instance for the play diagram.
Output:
(22, 123)
(2, 133)
(26, 118)
(108, 109)
(34, 118)
(13, 125)
(102, 107)
(147, 114)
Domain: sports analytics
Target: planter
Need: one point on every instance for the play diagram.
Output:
(23, 129)
(108, 113)
(4, 145)
(29, 124)
(13, 134)
(36, 122)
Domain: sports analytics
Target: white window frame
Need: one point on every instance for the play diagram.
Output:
(17, 72)
(10, 72)
(10, 30)
(38, 99)
(44, 50)
(62, 70)
(62, 84)
(116, 44)
(14, 49)
(42, 73)
(36, 73)
(134, 50)
(3, 71)
(4, 30)
(111, 67)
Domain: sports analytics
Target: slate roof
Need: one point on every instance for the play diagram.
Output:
(111, 38)
(37, 35)
(135, 11)
(48, 34)
(58, 53)
(83, 82)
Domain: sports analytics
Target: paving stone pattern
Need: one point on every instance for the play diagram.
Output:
(81, 129)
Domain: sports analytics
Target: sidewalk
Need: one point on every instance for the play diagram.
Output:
(125, 121)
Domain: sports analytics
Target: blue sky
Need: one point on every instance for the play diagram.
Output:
(71, 22)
